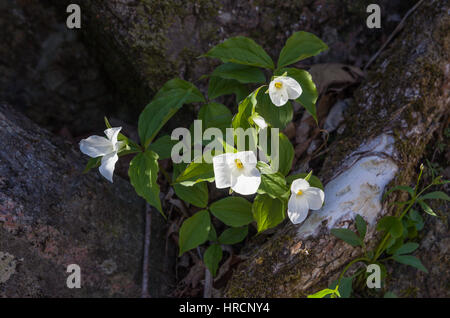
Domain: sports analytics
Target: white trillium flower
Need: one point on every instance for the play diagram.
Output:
(303, 198)
(259, 121)
(238, 171)
(107, 148)
(282, 89)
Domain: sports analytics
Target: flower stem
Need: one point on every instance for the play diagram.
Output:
(361, 259)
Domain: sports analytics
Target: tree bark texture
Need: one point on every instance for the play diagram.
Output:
(393, 118)
(52, 215)
(142, 44)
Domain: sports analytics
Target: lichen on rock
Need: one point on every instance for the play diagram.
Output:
(7, 266)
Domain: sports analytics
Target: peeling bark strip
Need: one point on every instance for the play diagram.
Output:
(52, 216)
(394, 116)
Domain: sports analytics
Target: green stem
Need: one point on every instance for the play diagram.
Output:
(166, 175)
(381, 247)
(361, 259)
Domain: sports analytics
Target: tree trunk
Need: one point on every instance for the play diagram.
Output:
(393, 118)
(142, 44)
(51, 215)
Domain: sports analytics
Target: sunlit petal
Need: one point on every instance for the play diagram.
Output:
(246, 184)
(277, 98)
(222, 171)
(293, 88)
(259, 120)
(299, 184)
(248, 158)
(107, 167)
(112, 134)
(297, 208)
(96, 146)
(315, 198)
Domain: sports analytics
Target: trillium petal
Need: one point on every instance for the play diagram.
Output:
(293, 88)
(258, 120)
(222, 171)
(112, 134)
(248, 158)
(299, 184)
(315, 197)
(108, 164)
(275, 97)
(96, 146)
(278, 96)
(247, 183)
(297, 208)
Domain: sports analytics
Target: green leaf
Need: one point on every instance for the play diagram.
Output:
(322, 293)
(309, 95)
(313, 180)
(417, 219)
(92, 163)
(394, 245)
(219, 86)
(300, 46)
(163, 146)
(426, 208)
(383, 271)
(412, 232)
(233, 235)
(233, 211)
(268, 212)
(215, 115)
(107, 124)
(277, 117)
(245, 110)
(361, 226)
(194, 231)
(407, 248)
(345, 287)
(411, 261)
(437, 195)
(308, 176)
(212, 236)
(143, 173)
(242, 73)
(286, 155)
(391, 224)
(195, 173)
(401, 188)
(241, 50)
(347, 236)
(164, 105)
(196, 195)
(274, 185)
(212, 257)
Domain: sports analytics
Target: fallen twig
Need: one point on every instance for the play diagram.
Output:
(145, 265)
(393, 34)
(207, 291)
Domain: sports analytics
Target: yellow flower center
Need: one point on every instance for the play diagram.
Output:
(278, 84)
(300, 192)
(239, 163)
